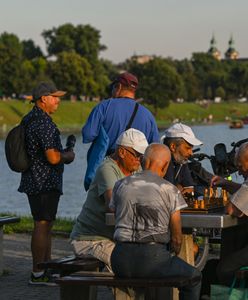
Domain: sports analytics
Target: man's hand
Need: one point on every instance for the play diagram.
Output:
(187, 190)
(232, 210)
(230, 186)
(176, 231)
(67, 157)
(218, 181)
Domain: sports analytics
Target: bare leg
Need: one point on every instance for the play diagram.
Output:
(41, 242)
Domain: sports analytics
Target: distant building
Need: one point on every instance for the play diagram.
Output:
(231, 52)
(142, 59)
(213, 49)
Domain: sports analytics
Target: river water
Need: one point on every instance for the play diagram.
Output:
(74, 194)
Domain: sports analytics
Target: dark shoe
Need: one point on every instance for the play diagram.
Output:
(44, 279)
(53, 273)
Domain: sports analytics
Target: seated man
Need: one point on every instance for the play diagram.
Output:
(90, 234)
(238, 206)
(147, 211)
(180, 139)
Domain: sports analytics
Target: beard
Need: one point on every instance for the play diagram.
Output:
(180, 159)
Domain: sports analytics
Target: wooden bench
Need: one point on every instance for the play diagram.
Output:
(71, 264)
(3, 221)
(77, 287)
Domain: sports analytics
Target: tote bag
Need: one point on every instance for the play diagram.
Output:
(222, 292)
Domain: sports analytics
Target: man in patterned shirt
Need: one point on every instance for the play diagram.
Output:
(42, 182)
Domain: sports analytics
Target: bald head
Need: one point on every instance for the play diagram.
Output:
(242, 151)
(241, 160)
(157, 158)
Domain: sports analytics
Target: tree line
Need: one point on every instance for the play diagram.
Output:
(73, 63)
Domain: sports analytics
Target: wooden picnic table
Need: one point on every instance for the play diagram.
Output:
(229, 226)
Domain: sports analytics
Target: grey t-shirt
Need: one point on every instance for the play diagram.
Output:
(91, 223)
(143, 205)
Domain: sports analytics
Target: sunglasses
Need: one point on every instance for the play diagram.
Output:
(135, 153)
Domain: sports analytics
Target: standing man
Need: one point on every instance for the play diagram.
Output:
(180, 139)
(114, 114)
(147, 214)
(42, 182)
(90, 234)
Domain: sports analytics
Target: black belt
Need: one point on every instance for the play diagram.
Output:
(143, 243)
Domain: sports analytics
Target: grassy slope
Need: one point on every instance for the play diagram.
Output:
(73, 115)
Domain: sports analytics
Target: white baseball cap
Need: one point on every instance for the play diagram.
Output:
(180, 130)
(133, 138)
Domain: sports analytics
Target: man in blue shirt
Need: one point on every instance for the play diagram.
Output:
(114, 114)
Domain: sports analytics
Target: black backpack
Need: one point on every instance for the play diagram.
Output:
(15, 148)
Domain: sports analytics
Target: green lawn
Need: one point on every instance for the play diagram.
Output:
(73, 115)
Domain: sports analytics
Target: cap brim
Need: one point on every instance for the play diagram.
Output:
(58, 94)
(193, 141)
(140, 149)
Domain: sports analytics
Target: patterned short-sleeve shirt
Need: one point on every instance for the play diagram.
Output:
(41, 134)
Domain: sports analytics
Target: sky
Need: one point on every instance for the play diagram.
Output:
(167, 28)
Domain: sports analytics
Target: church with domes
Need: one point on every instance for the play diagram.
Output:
(230, 54)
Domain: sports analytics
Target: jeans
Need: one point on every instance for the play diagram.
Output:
(153, 261)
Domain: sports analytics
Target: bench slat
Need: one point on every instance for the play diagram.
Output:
(7, 220)
(126, 282)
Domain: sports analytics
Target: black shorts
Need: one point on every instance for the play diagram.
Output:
(44, 206)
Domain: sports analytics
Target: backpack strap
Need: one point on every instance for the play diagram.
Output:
(132, 116)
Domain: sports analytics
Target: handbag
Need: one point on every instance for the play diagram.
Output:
(222, 292)
(98, 150)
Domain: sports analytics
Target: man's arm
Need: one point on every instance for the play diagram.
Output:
(107, 197)
(232, 210)
(176, 231)
(91, 128)
(55, 157)
(230, 186)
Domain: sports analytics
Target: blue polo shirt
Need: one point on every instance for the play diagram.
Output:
(41, 134)
(114, 115)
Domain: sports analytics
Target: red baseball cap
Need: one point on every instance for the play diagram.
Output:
(127, 79)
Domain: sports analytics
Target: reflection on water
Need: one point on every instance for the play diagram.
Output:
(74, 194)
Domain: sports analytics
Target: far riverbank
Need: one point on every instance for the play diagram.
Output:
(72, 115)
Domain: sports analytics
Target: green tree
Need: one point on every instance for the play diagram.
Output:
(207, 69)
(237, 83)
(73, 73)
(220, 92)
(30, 50)
(83, 39)
(10, 63)
(191, 83)
(33, 71)
(159, 82)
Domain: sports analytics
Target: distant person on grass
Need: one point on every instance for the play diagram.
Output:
(91, 235)
(42, 182)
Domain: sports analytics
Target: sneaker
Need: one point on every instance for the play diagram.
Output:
(44, 279)
(53, 273)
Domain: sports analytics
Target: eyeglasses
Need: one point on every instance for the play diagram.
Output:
(135, 153)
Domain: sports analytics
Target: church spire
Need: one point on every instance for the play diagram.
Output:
(213, 49)
(231, 52)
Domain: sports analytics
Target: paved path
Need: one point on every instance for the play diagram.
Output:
(17, 266)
